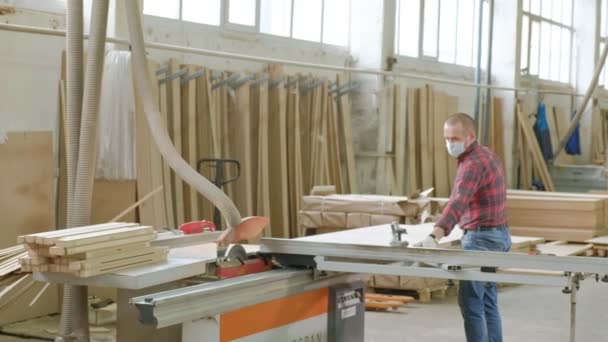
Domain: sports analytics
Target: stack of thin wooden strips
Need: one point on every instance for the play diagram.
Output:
(91, 250)
(557, 215)
(288, 132)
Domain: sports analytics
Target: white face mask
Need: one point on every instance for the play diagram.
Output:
(455, 149)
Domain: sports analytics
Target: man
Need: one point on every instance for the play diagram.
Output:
(477, 204)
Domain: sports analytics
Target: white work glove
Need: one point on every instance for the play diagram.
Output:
(428, 242)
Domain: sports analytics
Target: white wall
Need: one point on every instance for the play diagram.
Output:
(30, 67)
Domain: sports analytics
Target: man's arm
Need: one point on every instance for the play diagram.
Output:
(466, 185)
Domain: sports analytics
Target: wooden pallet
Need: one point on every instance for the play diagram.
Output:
(381, 302)
(423, 294)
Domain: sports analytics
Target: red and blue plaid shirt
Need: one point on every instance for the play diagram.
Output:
(479, 194)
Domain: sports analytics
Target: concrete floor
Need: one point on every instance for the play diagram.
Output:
(529, 313)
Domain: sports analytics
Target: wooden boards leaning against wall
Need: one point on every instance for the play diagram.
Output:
(288, 132)
(428, 163)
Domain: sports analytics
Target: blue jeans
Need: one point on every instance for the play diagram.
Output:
(478, 300)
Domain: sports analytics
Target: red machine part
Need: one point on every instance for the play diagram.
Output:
(236, 269)
(197, 227)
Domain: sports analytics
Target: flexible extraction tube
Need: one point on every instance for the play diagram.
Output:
(74, 78)
(159, 132)
(74, 321)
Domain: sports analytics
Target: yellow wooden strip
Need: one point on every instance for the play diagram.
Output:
(167, 182)
(175, 90)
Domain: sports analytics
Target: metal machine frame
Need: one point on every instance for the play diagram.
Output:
(310, 265)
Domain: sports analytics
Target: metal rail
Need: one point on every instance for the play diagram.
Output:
(207, 300)
(441, 256)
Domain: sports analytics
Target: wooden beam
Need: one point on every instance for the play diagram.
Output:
(400, 142)
(277, 157)
(167, 176)
(176, 113)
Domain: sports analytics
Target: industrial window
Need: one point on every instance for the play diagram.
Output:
(442, 30)
(197, 11)
(546, 39)
(321, 21)
(603, 38)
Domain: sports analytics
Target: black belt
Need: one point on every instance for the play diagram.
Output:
(486, 228)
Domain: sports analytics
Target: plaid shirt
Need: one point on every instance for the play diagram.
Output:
(479, 193)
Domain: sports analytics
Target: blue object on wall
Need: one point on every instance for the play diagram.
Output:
(541, 130)
(573, 146)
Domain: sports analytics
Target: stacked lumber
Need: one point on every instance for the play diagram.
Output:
(600, 246)
(557, 216)
(323, 214)
(91, 250)
(288, 132)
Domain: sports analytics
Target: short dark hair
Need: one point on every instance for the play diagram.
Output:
(464, 119)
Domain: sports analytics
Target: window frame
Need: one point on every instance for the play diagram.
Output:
(426, 62)
(599, 39)
(524, 73)
(254, 32)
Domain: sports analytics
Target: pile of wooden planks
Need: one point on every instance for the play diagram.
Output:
(323, 214)
(288, 132)
(556, 215)
(91, 250)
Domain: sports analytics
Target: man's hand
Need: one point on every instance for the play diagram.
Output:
(428, 242)
(432, 241)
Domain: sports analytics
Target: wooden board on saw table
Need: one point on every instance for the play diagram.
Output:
(552, 233)
(600, 240)
(562, 248)
(382, 236)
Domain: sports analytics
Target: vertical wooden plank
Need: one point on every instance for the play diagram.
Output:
(206, 136)
(176, 117)
(156, 161)
(426, 156)
(167, 181)
(412, 140)
(143, 161)
(452, 108)
(316, 154)
(191, 141)
(347, 126)
(400, 142)
(277, 157)
(384, 113)
(241, 149)
(441, 173)
(305, 108)
(263, 181)
(294, 155)
(497, 127)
